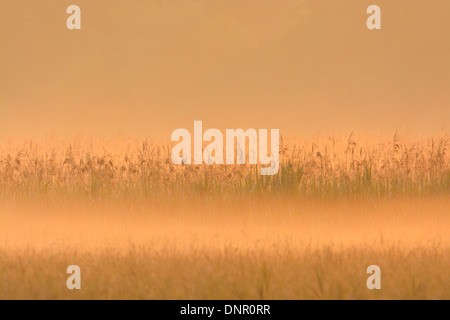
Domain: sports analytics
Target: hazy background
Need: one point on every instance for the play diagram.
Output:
(149, 67)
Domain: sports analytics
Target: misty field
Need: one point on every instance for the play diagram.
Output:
(141, 227)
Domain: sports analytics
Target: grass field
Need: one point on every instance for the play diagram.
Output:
(141, 227)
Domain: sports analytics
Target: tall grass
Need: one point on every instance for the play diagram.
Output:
(331, 169)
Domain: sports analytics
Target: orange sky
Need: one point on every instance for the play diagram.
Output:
(149, 67)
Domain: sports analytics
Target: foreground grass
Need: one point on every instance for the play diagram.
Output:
(257, 249)
(281, 272)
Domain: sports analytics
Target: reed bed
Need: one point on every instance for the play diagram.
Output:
(142, 170)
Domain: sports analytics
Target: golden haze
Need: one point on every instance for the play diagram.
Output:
(141, 227)
(147, 68)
